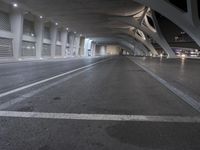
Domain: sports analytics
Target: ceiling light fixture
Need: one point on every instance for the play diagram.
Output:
(41, 17)
(15, 5)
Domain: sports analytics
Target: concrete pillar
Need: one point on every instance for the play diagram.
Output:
(135, 37)
(187, 21)
(87, 46)
(67, 45)
(140, 47)
(102, 50)
(161, 39)
(71, 43)
(53, 31)
(64, 42)
(156, 35)
(17, 20)
(152, 49)
(39, 30)
(82, 42)
(148, 44)
(77, 45)
(93, 49)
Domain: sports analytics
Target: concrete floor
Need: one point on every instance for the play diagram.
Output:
(181, 73)
(116, 86)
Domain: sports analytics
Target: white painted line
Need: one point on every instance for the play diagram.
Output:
(188, 99)
(48, 79)
(11, 102)
(100, 117)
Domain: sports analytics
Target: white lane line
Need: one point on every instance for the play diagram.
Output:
(100, 117)
(188, 99)
(9, 103)
(48, 79)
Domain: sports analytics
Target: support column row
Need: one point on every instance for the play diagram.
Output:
(17, 21)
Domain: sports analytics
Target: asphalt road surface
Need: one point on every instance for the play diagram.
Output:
(107, 103)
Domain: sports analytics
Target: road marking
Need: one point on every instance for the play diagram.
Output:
(100, 117)
(9, 103)
(48, 79)
(188, 99)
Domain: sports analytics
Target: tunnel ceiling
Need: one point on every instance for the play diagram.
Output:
(89, 17)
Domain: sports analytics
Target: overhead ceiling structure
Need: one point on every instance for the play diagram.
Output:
(90, 17)
(111, 19)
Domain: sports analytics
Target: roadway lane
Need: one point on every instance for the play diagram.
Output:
(14, 75)
(117, 86)
(181, 73)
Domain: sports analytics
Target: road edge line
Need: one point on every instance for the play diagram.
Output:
(186, 98)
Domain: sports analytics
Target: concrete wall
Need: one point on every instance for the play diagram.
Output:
(102, 50)
(17, 16)
(113, 50)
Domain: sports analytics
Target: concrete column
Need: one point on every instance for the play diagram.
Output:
(132, 34)
(77, 45)
(17, 20)
(148, 44)
(82, 42)
(152, 49)
(87, 46)
(156, 35)
(93, 49)
(67, 44)
(53, 31)
(187, 21)
(102, 50)
(39, 30)
(161, 39)
(64, 42)
(71, 44)
(140, 47)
